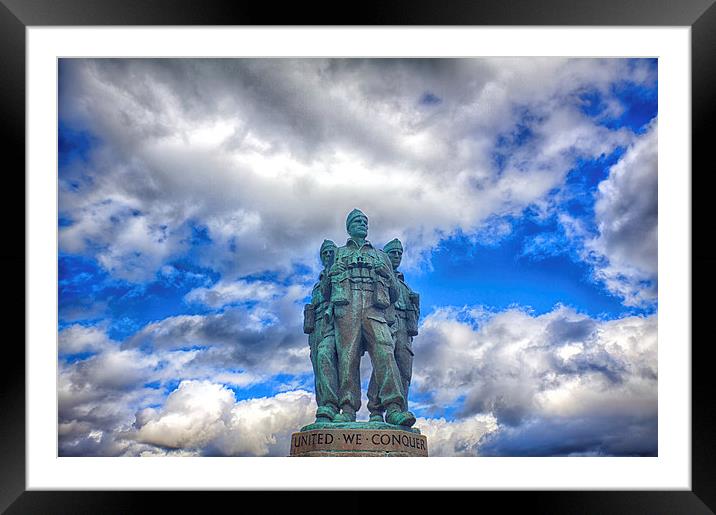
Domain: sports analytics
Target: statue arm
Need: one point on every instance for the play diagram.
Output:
(415, 300)
(317, 293)
(413, 296)
(309, 317)
(324, 286)
(413, 311)
(393, 287)
(338, 266)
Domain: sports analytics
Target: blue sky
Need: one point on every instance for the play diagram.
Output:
(194, 195)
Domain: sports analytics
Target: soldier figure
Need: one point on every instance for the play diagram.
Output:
(318, 324)
(407, 313)
(367, 289)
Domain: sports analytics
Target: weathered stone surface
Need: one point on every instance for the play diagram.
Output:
(358, 442)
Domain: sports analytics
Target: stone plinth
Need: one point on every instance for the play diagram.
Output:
(358, 439)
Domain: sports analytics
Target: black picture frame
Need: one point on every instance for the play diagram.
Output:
(16, 15)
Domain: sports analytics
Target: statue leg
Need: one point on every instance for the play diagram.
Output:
(381, 348)
(404, 360)
(348, 346)
(313, 347)
(390, 389)
(374, 407)
(326, 370)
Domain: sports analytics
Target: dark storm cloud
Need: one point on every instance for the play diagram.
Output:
(567, 331)
(262, 337)
(585, 436)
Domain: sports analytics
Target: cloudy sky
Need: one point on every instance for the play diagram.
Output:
(194, 196)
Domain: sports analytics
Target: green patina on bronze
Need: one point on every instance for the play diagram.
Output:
(358, 425)
(406, 312)
(318, 325)
(360, 304)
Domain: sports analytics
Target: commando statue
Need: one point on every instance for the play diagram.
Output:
(363, 289)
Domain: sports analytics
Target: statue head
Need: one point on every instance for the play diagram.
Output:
(394, 249)
(328, 253)
(357, 224)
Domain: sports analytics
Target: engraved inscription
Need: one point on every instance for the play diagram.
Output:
(341, 440)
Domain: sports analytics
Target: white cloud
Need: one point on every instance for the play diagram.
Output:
(99, 396)
(626, 213)
(223, 293)
(192, 416)
(263, 426)
(203, 416)
(523, 369)
(270, 155)
(516, 382)
(77, 338)
(622, 249)
(458, 437)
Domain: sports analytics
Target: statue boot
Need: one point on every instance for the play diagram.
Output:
(376, 416)
(347, 415)
(325, 414)
(397, 417)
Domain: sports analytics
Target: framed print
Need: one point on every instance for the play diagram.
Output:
(180, 179)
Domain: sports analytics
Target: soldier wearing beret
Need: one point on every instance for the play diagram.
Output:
(407, 312)
(363, 291)
(318, 324)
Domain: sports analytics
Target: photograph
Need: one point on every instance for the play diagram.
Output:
(416, 256)
(464, 233)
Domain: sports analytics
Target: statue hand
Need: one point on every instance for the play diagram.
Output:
(337, 268)
(382, 270)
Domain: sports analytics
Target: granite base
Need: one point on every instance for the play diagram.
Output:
(367, 439)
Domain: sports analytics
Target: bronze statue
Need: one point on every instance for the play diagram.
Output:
(363, 290)
(361, 303)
